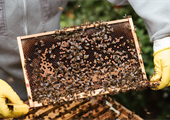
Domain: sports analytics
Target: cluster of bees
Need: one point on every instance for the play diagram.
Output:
(96, 108)
(83, 59)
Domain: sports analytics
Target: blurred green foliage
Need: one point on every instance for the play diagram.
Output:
(147, 103)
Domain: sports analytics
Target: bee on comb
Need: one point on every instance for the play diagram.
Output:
(81, 62)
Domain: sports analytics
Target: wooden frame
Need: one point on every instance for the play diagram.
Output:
(36, 104)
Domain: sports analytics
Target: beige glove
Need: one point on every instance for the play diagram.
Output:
(16, 108)
(162, 68)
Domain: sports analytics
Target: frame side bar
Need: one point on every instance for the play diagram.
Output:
(24, 72)
(137, 47)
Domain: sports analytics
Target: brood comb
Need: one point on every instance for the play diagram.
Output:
(82, 61)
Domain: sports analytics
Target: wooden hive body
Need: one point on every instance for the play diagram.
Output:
(86, 109)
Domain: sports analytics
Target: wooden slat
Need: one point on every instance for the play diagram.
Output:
(69, 29)
(30, 99)
(126, 111)
(137, 47)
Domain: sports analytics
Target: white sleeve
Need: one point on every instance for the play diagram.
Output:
(119, 2)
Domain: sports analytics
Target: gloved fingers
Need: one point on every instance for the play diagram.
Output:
(9, 93)
(12, 96)
(165, 77)
(166, 73)
(166, 68)
(168, 84)
(158, 73)
(17, 109)
(5, 112)
(12, 110)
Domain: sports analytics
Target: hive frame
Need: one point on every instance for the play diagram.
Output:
(20, 38)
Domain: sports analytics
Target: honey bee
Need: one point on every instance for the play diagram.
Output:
(31, 65)
(28, 59)
(36, 43)
(86, 56)
(51, 56)
(39, 51)
(50, 51)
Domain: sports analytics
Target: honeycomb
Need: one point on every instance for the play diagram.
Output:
(82, 61)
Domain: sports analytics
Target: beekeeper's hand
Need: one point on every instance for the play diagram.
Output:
(14, 109)
(162, 63)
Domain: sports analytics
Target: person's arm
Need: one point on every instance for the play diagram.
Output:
(119, 2)
(16, 108)
(162, 63)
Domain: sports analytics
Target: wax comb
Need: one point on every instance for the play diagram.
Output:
(82, 61)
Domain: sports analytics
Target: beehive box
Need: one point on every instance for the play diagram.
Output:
(95, 108)
(82, 61)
